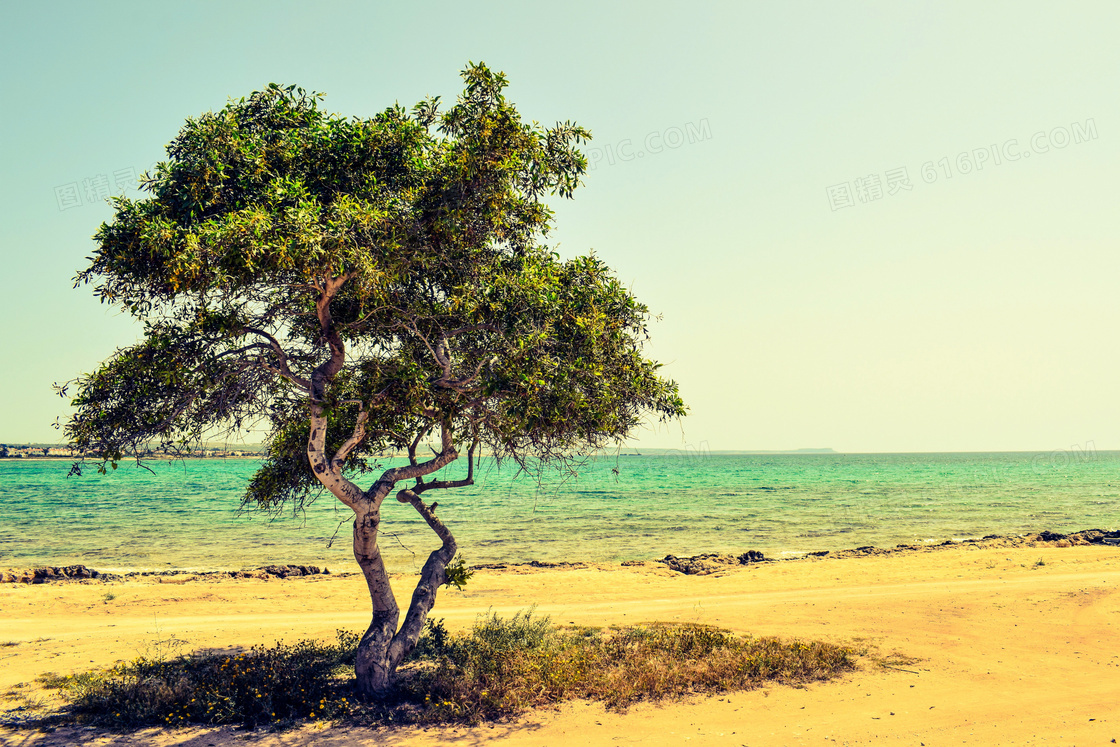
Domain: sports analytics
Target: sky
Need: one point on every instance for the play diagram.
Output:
(870, 226)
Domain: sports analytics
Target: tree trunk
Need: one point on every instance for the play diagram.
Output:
(383, 647)
(373, 668)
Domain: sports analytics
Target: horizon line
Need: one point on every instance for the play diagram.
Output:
(686, 450)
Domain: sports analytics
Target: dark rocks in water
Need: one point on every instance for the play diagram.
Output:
(535, 564)
(1097, 537)
(751, 556)
(264, 572)
(1084, 537)
(865, 551)
(49, 573)
(702, 565)
(286, 571)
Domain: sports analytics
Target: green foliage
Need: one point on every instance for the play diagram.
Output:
(457, 573)
(498, 668)
(431, 226)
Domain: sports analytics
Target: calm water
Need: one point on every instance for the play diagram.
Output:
(186, 515)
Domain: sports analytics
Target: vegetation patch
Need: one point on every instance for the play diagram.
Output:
(497, 669)
(503, 667)
(262, 685)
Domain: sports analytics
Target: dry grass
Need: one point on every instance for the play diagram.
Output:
(503, 667)
(498, 668)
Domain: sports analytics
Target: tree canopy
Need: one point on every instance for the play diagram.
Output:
(355, 286)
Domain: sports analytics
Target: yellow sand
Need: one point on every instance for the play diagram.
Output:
(1011, 651)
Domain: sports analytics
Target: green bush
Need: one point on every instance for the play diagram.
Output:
(264, 684)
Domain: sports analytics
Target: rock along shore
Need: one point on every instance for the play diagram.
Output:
(695, 565)
(47, 574)
(699, 565)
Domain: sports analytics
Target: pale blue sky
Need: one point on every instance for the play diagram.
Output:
(970, 312)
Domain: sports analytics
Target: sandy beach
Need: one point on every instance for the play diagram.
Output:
(1000, 645)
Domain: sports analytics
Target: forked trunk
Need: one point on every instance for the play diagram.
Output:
(383, 647)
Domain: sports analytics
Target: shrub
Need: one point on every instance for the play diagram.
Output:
(277, 683)
(498, 668)
(502, 667)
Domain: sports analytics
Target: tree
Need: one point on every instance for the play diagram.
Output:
(357, 286)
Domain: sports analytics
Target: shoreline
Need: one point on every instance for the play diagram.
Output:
(701, 564)
(1007, 641)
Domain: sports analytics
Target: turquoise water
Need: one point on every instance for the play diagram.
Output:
(186, 514)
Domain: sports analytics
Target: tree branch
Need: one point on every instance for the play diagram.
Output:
(472, 328)
(444, 484)
(329, 472)
(432, 576)
(356, 437)
(282, 359)
(328, 369)
(412, 447)
(445, 456)
(410, 496)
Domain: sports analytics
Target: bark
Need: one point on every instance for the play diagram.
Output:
(384, 647)
(432, 576)
(374, 668)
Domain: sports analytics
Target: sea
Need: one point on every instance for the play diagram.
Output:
(187, 514)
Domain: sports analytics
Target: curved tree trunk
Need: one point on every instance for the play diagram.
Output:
(432, 576)
(383, 647)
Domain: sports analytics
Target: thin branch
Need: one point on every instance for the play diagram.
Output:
(246, 349)
(472, 328)
(444, 484)
(410, 496)
(282, 358)
(412, 446)
(423, 338)
(461, 384)
(446, 456)
(356, 437)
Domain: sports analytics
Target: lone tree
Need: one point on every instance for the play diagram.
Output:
(360, 286)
